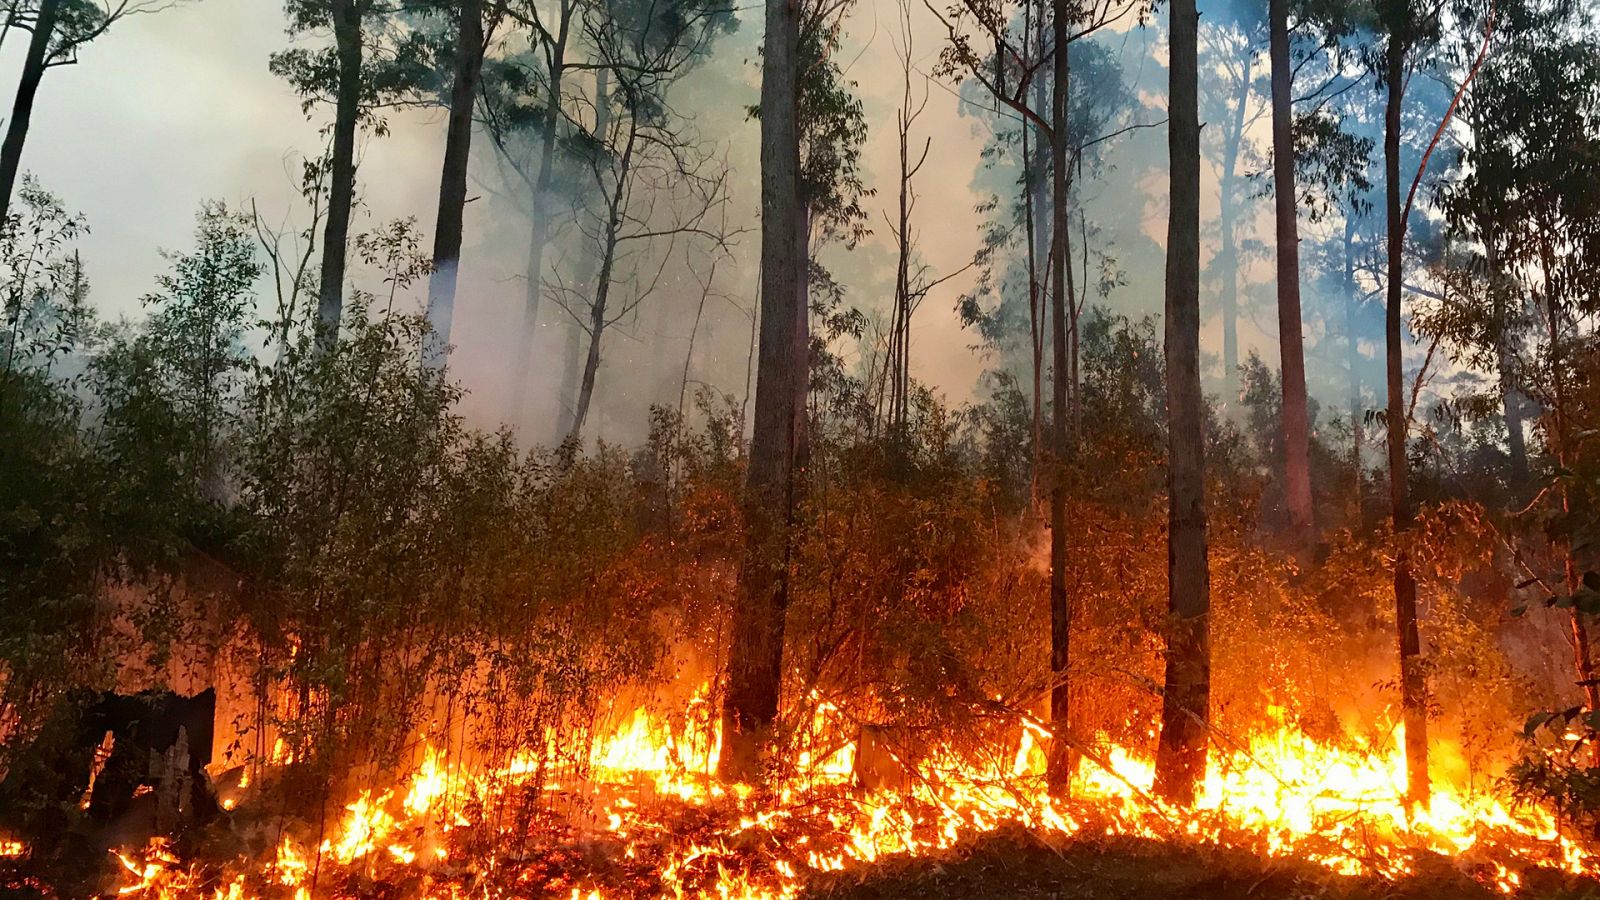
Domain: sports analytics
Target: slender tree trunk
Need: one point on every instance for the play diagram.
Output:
(1413, 683)
(1582, 652)
(1037, 298)
(755, 664)
(453, 183)
(539, 229)
(1185, 708)
(1291, 340)
(342, 183)
(1510, 399)
(602, 288)
(1353, 369)
(1059, 765)
(1228, 202)
(33, 68)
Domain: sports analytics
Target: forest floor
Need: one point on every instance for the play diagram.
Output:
(1015, 864)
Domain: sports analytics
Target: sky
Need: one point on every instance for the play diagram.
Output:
(175, 108)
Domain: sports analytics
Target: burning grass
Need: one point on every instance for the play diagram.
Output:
(1280, 815)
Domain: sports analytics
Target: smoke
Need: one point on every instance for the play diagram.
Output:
(168, 110)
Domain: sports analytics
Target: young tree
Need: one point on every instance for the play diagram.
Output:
(1185, 706)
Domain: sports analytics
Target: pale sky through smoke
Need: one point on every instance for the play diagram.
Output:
(172, 109)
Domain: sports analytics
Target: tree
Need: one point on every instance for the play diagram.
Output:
(1007, 73)
(524, 101)
(1407, 29)
(1296, 418)
(755, 662)
(368, 67)
(1181, 753)
(472, 43)
(1230, 47)
(58, 30)
(646, 154)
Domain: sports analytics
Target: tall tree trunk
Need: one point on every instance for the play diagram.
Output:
(33, 66)
(1352, 350)
(1413, 684)
(1228, 202)
(1059, 765)
(1582, 652)
(755, 663)
(453, 183)
(342, 183)
(1038, 249)
(1510, 398)
(801, 360)
(539, 229)
(1185, 707)
(1291, 341)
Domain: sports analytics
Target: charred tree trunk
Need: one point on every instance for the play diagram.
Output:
(453, 183)
(342, 184)
(755, 663)
(33, 66)
(1413, 683)
(1181, 755)
(1291, 341)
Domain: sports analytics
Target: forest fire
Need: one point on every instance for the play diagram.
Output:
(647, 818)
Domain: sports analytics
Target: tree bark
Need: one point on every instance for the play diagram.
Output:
(1181, 754)
(1291, 341)
(755, 664)
(342, 182)
(453, 183)
(1413, 683)
(33, 67)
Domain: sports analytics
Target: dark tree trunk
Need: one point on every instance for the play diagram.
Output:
(33, 66)
(1059, 769)
(453, 182)
(1291, 342)
(755, 663)
(1413, 684)
(342, 186)
(1181, 755)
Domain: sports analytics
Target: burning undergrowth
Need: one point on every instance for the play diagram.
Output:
(444, 668)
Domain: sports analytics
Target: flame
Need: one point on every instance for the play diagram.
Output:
(1280, 793)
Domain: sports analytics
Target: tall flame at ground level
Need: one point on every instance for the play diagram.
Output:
(668, 829)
